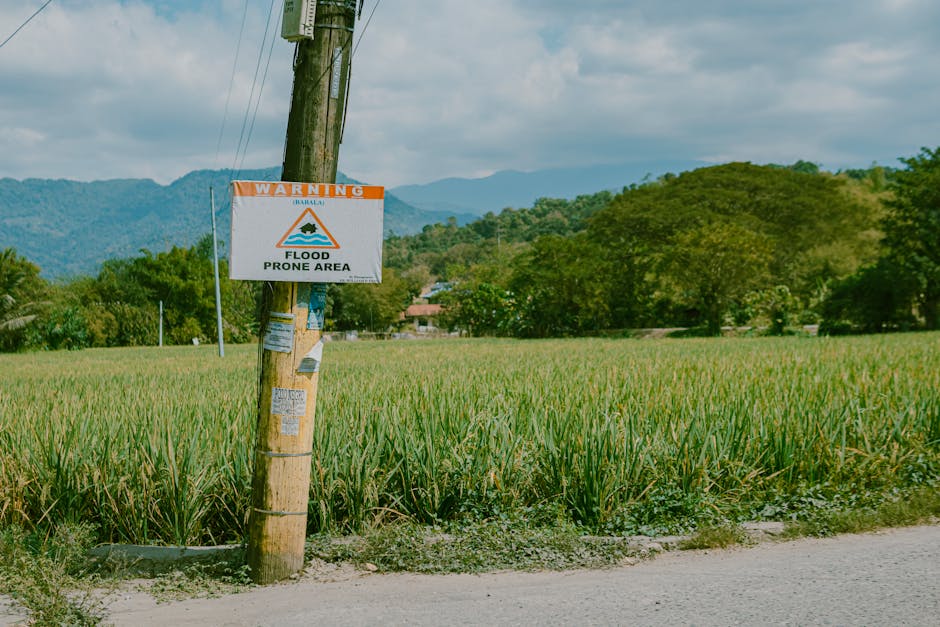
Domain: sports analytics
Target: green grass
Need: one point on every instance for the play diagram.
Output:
(464, 456)
(908, 507)
(48, 576)
(619, 436)
(509, 543)
(714, 537)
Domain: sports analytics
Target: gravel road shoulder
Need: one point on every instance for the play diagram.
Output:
(891, 577)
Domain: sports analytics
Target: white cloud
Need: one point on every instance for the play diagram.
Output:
(866, 62)
(101, 88)
(117, 90)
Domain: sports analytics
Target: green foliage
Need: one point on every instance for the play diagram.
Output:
(912, 229)
(754, 244)
(714, 537)
(876, 299)
(506, 542)
(918, 505)
(875, 177)
(21, 289)
(778, 307)
(60, 328)
(618, 436)
(482, 308)
(43, 575)
(375, 307)
(557, 288)
(121, 305)
(449, 251)
(201, 581)
(715, 264)
(816, 228)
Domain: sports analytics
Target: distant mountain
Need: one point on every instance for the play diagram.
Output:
(509, 188)
(70, 227)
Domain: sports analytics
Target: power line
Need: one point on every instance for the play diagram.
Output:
(243, 148)
(231, 83)
(264, 78)
(254, 82)
(366, 26)
(342, 131)
(28, 20)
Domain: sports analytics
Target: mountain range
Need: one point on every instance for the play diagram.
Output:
(510, 188)
(69, 227)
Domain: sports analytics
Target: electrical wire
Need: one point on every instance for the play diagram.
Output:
(231, 83)
(365, 27)
(254, 83)
(346, 46)
(28, 20)
(342, 131)
(264, 78)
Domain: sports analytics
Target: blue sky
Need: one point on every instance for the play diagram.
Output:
(99, 89)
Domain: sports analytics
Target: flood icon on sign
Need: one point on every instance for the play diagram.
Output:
(308, 232)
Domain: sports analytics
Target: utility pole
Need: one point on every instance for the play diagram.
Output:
(280, 488)
(215, 266)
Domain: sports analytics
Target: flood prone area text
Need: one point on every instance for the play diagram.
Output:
(306, 261)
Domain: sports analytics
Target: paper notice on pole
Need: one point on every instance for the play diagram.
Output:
(279, 334)
(290, 425)
(288, 402)
(311, 361)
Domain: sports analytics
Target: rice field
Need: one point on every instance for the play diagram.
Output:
(156, 445)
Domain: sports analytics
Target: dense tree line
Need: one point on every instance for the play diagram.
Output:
(767, 246)
(120, 306)
(737, 244)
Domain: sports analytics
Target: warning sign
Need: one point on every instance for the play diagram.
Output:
(306, 232)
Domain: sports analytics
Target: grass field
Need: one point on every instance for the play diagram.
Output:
(619, 436)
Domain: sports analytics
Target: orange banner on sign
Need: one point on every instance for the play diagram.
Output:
(285, 189)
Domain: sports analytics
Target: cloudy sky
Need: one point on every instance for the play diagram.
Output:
(99, 89)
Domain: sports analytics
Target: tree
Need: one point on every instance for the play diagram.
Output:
(21, 291)
(371, 306)
(777, 305)
(481, 308)
(716, 263)
(806, 217)
(558, 289)
(120, 306)
(63, 327)
(912, 229)
(874, 300)
(119, 310)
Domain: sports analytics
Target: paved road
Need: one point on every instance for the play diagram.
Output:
(888, 578)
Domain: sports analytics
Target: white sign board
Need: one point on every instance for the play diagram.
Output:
(306, 232)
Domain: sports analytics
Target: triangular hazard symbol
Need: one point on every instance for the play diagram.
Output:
(308, 232)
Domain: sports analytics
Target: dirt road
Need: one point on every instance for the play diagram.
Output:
(886, 578)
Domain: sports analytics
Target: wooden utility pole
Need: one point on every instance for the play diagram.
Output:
(280, 489)
(215, 270)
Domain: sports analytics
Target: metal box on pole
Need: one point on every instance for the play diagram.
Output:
(298, 19)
